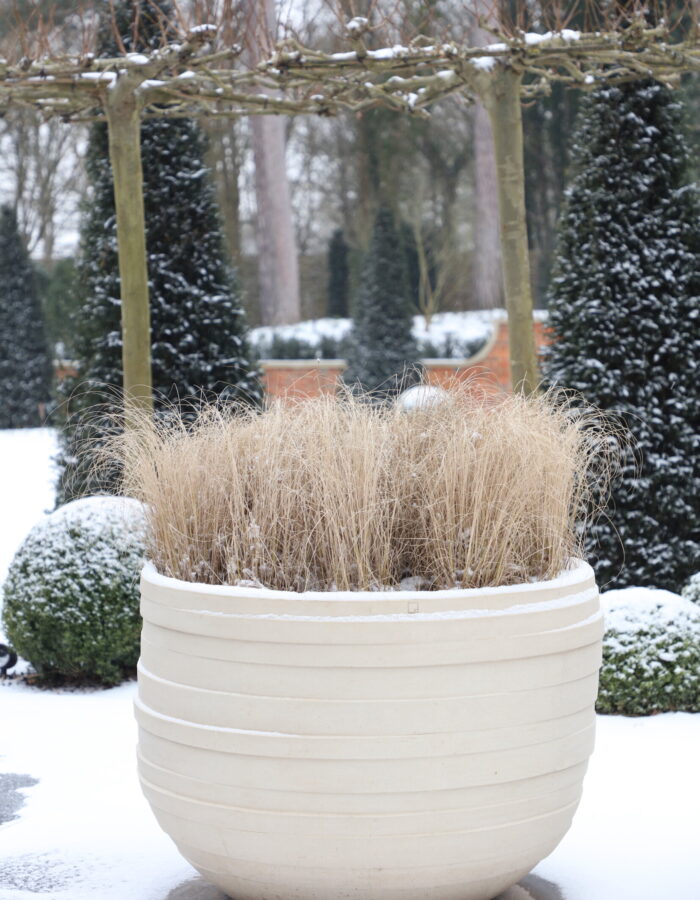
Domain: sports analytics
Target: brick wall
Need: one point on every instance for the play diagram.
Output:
(308, 378)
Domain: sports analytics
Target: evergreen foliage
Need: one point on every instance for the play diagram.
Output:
(381, 344)
(625, 313)
(71, 598)
(198, 334)
(410, 248)
(692, 589)
(25, 366)
(338, 275)
(651, 653)
(59, 300)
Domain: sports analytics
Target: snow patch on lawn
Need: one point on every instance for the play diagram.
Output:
(635, 834)
(87, 831)
(27, 487)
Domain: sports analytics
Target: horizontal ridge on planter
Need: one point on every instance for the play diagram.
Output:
(400, 682)
(384, 803)
(400, 744)
(409, 746)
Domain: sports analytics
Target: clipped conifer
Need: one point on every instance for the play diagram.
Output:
(383, 354)
(338, 275)
(25, 366)
(198, 333)
(625, 314)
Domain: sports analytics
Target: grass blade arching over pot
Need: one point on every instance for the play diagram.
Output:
(336, 493)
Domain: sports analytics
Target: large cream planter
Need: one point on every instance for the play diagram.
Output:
(377, 746)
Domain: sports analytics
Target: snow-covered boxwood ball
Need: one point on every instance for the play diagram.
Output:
(651, 653)
(71, 598)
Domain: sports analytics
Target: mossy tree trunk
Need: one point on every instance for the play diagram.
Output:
(124, 123)
(501, 96)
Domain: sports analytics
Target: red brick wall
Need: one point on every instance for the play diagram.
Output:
(297, 378)
(286, 378)
(306, 378)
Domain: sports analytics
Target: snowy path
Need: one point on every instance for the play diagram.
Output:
(86, 833)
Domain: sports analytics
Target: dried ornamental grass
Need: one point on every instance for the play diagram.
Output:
(337, 493)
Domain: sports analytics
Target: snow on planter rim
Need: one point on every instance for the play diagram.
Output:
(576, 572)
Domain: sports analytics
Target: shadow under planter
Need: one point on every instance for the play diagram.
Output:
(530, 888)
(413, 744)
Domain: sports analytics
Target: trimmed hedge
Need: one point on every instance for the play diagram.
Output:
(651, 653)
(71, 598)
(692, 589)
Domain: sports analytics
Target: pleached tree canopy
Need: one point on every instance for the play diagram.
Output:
(202, 73)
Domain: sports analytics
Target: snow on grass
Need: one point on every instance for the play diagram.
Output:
(86, 831)
(27, 486)
(635, 835)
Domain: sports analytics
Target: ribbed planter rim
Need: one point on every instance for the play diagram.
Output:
(574, 571)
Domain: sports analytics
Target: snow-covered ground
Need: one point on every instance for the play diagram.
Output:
(27, 487)
(86, 833)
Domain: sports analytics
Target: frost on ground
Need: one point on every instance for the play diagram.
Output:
(86, 832)
(27, 486)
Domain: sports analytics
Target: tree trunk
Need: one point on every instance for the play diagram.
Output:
(223, 160)
(501, 98)
(125, 156)
(278, 264)
(487, 277)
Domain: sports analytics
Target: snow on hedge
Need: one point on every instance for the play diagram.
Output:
(692, 589)
(452, 333)
(651, 652)
(71, 598)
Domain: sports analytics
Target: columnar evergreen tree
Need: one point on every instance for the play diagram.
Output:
(198, 331)
(338, 275)
(381, 342)
(625, 312)
(25, 367)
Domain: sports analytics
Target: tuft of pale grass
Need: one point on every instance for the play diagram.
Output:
(337, 493)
